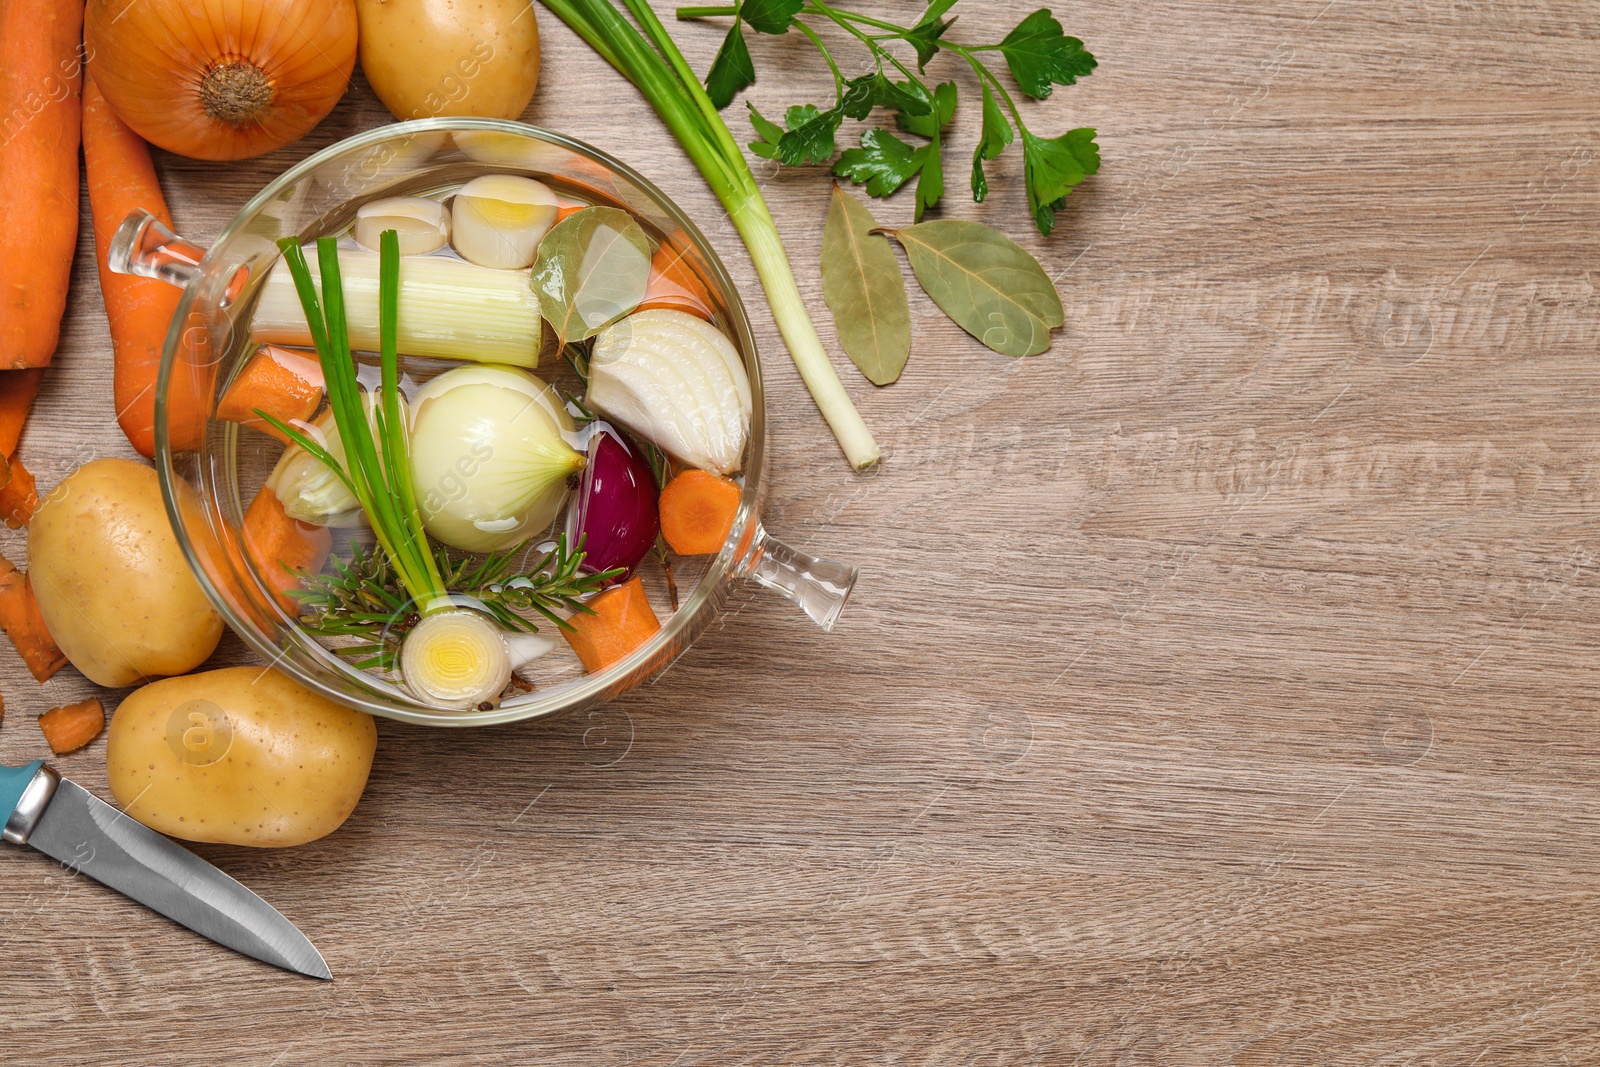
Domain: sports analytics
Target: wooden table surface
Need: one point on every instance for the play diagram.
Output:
(1219, 689)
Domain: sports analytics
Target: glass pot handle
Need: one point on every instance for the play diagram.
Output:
(819, 586)
(144, 246)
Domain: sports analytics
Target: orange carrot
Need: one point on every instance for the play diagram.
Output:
(71, 727)
(123, 180)
(19, 498)
(17, 390)
(567, 207)
(285, 384)
(674, 283)
(279, 545)
(20, 618)
(697, 511)
(41, 72)
(622, 621)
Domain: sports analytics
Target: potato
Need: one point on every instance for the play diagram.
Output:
(112, 584)
(241, 756)
(450, 57)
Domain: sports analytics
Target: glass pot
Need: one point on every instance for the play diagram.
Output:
(210, 468)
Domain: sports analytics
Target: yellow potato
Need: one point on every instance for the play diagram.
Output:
(450, 57)
(241, 756)
(112, 584)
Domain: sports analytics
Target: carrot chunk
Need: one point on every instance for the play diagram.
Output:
(674, 283)
(285, 384)
(697, 511)
(622, 621)
(69, 728)
(280, 546)
(20, 618)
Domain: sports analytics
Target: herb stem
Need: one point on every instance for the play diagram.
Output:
(838, 78)
(839, 19)
(685, 13)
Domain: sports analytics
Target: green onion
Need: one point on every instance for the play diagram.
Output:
(382, 483)
(652, 61)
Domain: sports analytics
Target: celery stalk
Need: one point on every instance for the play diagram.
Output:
(652, 61)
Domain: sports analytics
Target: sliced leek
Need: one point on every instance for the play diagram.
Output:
(449, 309)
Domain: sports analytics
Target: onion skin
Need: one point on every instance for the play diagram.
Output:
(210, 79)
(615, 510)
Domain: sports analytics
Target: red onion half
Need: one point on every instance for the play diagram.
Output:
(614, 509)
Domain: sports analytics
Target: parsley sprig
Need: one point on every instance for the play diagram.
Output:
(1038, 52)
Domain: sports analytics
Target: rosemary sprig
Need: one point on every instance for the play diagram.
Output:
(365, 599)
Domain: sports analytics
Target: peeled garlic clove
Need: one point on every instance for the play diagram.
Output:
(423, 224)
(500, 219)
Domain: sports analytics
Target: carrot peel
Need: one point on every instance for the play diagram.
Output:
(69, 728)
(20, 618)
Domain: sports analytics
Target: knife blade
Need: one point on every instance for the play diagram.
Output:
(68, 823)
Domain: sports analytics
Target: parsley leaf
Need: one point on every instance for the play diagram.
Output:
(933, 118)
(1052, 167)
(996, 135)
(930, 178)
(1041, 55)
(770, 133)
(860, 96)
(884, 162)
(810, 135)
(731, 70)
(770, 16)
(924, 36)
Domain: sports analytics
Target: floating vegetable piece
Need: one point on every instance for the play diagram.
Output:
(221, 80)
(986, 282)
(678, 382)
(675, 283)
(697, 512)
(591, 268)
(308, 488)
(285, 384)
(422, 225)
(240, 756)
(500, 219)
(282, 547)
(448, 309)
(619, 621)
(73, 726)
(862, 283)
(489, 456)
(462, 659)
(614, 510)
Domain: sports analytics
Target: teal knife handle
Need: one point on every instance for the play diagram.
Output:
(13, 780)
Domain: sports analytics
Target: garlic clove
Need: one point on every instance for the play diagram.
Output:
(501, 218)
(422, 224)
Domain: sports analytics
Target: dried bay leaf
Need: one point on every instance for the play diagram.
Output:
(986, 282)
(862, 284)
(592, 268)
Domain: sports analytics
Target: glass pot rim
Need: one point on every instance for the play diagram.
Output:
(685, 624)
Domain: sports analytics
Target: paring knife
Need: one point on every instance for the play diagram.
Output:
(65, 821)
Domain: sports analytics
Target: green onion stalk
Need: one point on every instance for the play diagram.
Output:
(454, 657)
(652, 61)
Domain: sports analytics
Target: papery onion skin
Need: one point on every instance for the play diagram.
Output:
(615, 507)
(214, 80)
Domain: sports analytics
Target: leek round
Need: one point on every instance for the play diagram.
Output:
(677, 381)
(422, 225)
(460, 658)
(490, 456)
(500, 219)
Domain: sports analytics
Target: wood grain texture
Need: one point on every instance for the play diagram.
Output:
(1220, 688)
